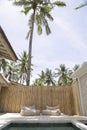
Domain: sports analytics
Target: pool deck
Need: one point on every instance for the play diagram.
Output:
(7, 118)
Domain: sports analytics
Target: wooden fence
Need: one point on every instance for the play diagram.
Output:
(12, 98)
(76, 99)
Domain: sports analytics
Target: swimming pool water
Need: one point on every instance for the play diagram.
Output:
(41, 126)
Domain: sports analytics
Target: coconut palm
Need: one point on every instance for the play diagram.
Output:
(38, 82)
(45, 78)
(42, 77)
(12, 72)
(76, 67)
(69, 78)
(40, 13)
(9, 70)
(62, 75)
(65, 75)
(49, 78)
(22, 63)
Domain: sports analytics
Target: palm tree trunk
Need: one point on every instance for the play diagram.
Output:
(30, 51)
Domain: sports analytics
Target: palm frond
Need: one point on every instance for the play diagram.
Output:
(59, 3)
(48, 31)
(82, 5)
(49, 17)
(45, 24)
(26, 9)
(38, 19)
(39, 30)
(45, 9)
(22, 2)
(45, 12)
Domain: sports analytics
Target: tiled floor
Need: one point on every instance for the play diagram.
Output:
(16, 117)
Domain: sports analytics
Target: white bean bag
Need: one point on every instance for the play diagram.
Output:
(27, 111)
(48, 112)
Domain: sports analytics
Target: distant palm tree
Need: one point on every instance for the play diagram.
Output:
(62, 74)
(9, 70)
(22, 63)
(38, 82)
(45, 78)
(41, 13)
(69, 78)
(65, 75)
(12, 72)
(42, 77)
(76, 67)
(49, 80)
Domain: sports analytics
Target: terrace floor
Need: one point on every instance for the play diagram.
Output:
(16, 117)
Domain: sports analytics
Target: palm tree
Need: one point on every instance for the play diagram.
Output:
(12, 72)
(38, 82)
(76, 67)
(45, 78)
(9, 70)
(65, 75)
(41, 13)
(82, 5)
(69, 78)
(22, 63)
(42, 77)
(62, 75)
(49, 80)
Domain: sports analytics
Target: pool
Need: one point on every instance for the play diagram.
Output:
(41, 126)
(84, 122)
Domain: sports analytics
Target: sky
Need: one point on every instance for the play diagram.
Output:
(67, 44)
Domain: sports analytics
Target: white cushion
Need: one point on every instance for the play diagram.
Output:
(52, 108)
(30, 112)
(55, 112)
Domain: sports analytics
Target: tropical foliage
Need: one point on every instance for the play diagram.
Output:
(45, 78)
(61, 77)
(17, 72)
(40, 13)
(22, 63)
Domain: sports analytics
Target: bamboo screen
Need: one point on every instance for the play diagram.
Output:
(15, 96)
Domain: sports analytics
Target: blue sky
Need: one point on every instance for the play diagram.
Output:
(67, 44)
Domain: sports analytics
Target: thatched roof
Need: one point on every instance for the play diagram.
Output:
(6, 51)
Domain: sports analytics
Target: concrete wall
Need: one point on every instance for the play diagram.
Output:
(81, 75)
(83, 93)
